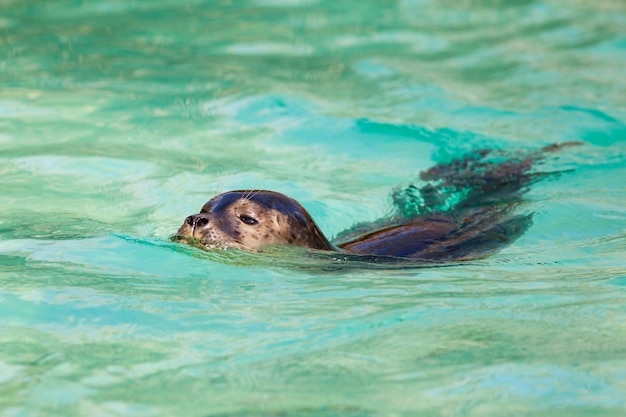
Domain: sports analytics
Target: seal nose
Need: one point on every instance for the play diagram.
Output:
(197, 220)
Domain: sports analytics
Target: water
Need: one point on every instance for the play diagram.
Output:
(120, 118)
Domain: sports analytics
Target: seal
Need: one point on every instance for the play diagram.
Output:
(462, 211)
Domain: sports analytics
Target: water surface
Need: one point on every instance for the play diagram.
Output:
(120, 118)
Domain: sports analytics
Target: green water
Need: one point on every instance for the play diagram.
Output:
(120, 118)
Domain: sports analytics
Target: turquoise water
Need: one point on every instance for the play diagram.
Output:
(120, 118)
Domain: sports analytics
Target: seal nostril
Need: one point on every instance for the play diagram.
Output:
(197, 220)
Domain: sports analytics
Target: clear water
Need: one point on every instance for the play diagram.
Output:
(119, 118)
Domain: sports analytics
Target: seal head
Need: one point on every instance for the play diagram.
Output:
(251, 220)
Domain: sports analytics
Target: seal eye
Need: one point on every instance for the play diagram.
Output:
(248, 219)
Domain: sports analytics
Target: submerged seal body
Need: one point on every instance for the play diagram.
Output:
(255, 219)
(463, 211)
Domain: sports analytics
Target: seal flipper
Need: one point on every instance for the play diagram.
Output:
(481, 177)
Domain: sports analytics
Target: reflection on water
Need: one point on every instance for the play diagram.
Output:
(119, 118)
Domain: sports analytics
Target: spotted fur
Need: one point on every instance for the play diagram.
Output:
(253, 219)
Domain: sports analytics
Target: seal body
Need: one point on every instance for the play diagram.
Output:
(463, 210)
(255, 219)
